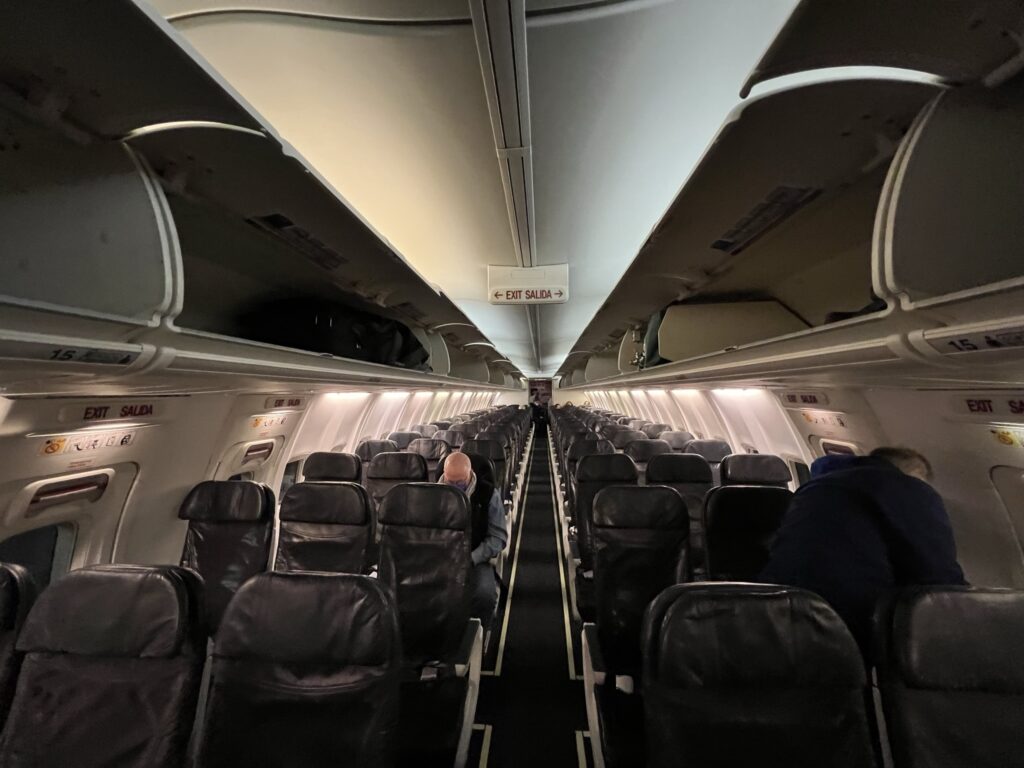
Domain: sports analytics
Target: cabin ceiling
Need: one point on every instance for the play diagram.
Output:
(389, 101)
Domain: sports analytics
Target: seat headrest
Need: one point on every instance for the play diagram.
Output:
(402, 439)
(747, 635)
(492, 449)
(117, 611)
(17, 593)
(610, 467)
(367, 449)
(427, 430)
(962, 638)
(655, 430)
(430, 448)
(582, 448)
(645, 450)
(627, 436)
(317, 618)
(678, 468)
(493, 434)
(712, 450)
(676, 438)
(442, 425)
(328, 466)
(332, 503)
(483, 467)
(639, 506)
(755, 469)
(397, 466)
(425, 505)
(450, 436)
(225, 501)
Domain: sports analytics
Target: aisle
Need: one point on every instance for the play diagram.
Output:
(533, 707)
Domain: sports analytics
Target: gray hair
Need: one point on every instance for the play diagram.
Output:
(907, 460)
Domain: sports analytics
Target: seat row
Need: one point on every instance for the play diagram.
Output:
(735, 674)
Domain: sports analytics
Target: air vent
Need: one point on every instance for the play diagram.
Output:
(283, 228)
(779, 205)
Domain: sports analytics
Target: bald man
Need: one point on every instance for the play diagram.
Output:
(488, 533)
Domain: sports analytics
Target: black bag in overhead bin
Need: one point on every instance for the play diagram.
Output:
(319, 325)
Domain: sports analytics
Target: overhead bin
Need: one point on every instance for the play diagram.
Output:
(780, 212)
(961, 42)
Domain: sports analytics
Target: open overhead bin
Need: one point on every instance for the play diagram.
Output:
(154, 223)
(772, 235)
(961, 41)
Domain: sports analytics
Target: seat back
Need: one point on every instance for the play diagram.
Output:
(427, 430)
(585, 445)
(466, 428)
(493, 450)
(402, 439)
(746, 674)
(434, 452)
(712, 450)
(424, 560)
(325, 527)
(654, 431)
(230, 525)
(642, 451)
(640, 535)
(740, 524)
(950, 675)
(623, 438)
(18, 592)
(637, 424)
(332, 467)
(368, 449)
(677, 439)
(755, 469)
(113, 658)
(306, 672)
(390, 469)
(450, 436)
(594, 473)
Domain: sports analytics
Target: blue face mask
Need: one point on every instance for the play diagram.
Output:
(462, 485)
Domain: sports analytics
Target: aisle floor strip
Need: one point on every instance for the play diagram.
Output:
(496, 672)
(561, 578)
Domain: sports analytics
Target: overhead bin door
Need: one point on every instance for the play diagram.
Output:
(959, 41)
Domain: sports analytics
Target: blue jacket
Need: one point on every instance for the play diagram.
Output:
(855, 533)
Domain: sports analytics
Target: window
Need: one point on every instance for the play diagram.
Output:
(291, 476)
(45, 552)
(831, 448)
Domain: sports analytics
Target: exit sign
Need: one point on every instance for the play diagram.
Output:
(528, 285)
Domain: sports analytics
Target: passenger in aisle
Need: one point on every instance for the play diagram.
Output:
(488, 532)
(860, 530)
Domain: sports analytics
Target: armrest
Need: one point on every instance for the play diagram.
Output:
(592, 653)
(471, 645)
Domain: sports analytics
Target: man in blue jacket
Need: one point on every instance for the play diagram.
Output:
(868, 525)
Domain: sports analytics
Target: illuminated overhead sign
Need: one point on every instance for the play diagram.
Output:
(528, 285)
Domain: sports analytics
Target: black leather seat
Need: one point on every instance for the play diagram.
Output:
(642, 451)
(951, 677)
(325, 527)
(677, 439)
(493, 450)
(425, 561)
(389, 469)
(230, 525)
(18, 592)
(690, 475)
(713, 451)
(306, 673)
(402, 439)
(593, 473)
(466, 428)
(369, 449)
(654, 431)
(113, 662)
(742, 518)
(585, 445)
(442, 425)
(434, 452)
(427, 430)
(450, 436)
(752, 675)
(326, 466)
(624, 437)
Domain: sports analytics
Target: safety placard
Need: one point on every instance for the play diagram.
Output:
(86, 442)
(528, 285)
